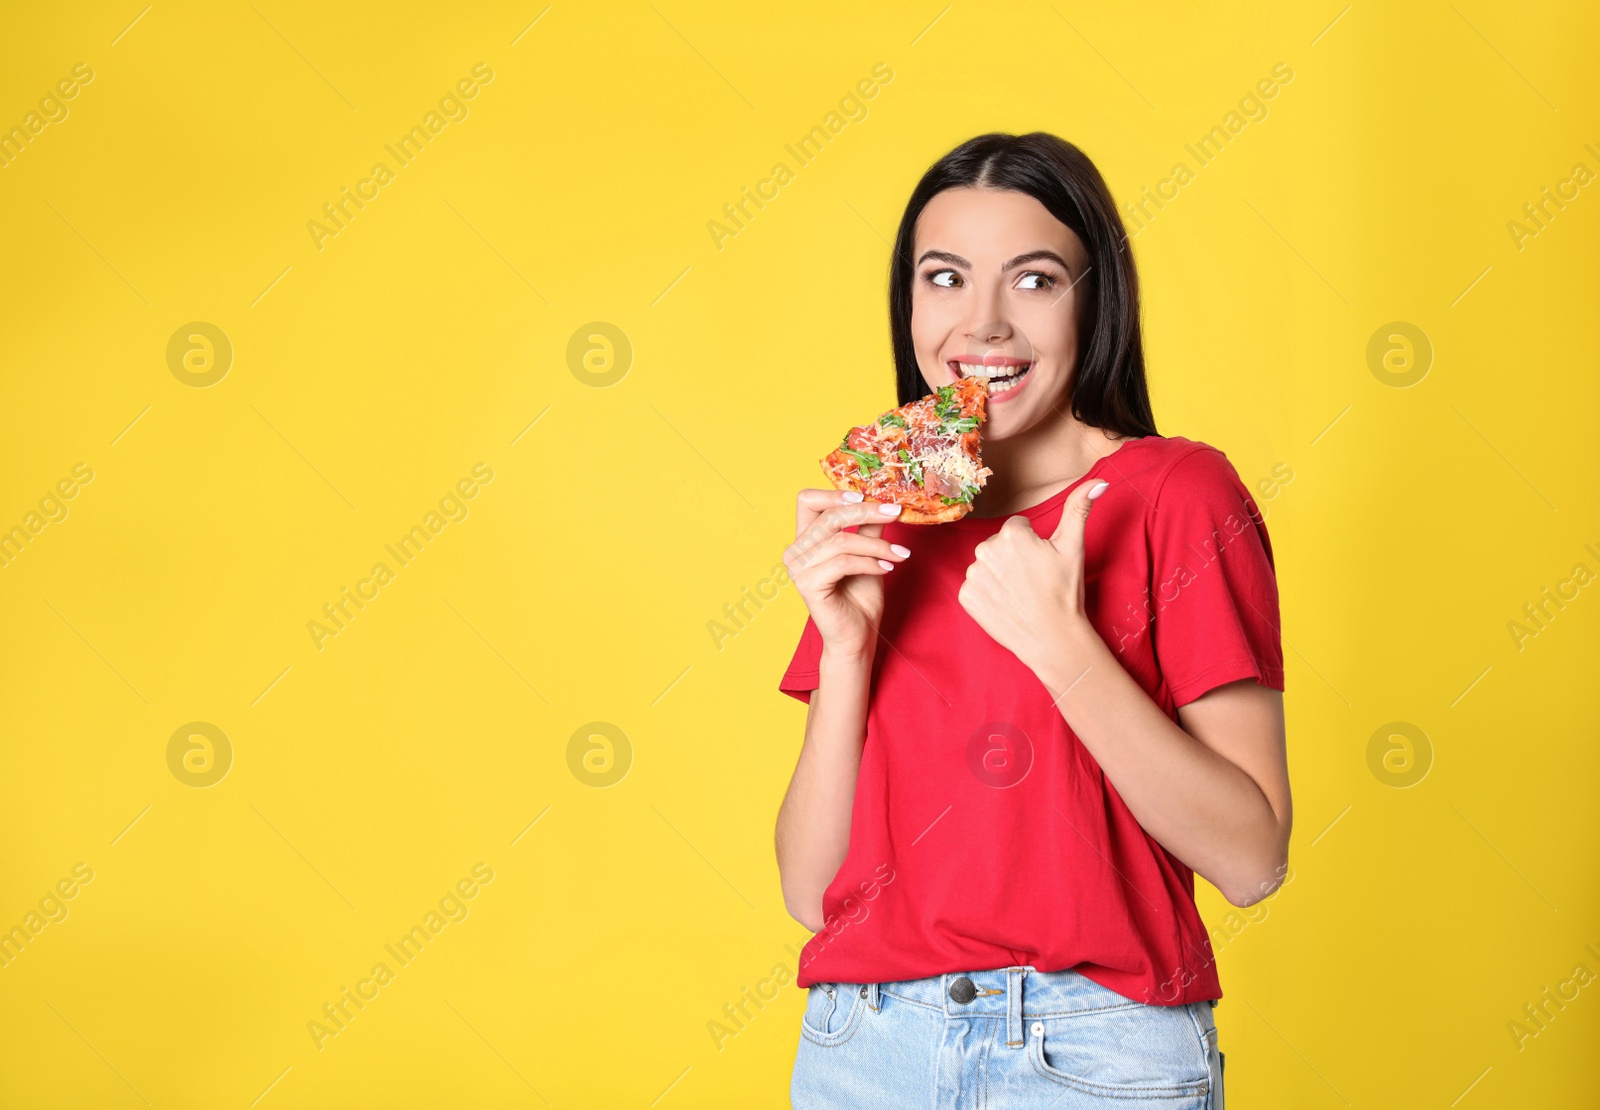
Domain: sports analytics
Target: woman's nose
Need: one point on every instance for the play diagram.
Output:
(988, 324)
(989, 331)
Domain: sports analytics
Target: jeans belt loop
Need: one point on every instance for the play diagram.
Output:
(874, 997)
(1014, 1033)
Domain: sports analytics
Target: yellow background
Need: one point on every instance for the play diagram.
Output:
(371, 374)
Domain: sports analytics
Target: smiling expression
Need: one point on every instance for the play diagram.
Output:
(998, 292)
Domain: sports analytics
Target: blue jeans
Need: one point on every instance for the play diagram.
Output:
(1002, 1039)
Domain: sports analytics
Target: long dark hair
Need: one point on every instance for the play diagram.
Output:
(1108, 388)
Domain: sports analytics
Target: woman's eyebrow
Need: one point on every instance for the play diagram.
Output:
(1020, 260)
(1036, 256)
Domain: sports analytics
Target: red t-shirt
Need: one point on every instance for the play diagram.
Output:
(983, 834)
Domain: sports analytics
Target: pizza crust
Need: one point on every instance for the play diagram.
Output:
(909, 515)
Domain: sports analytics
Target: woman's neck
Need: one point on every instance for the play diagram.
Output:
(1040, 463)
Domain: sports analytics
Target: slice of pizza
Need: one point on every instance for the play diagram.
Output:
(923, 456)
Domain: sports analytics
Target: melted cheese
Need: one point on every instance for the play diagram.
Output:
(955, 465)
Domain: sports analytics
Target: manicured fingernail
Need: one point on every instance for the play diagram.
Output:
(1099, 488)
(853, 495)
(889, 508)
(899, 550)
(885, 564)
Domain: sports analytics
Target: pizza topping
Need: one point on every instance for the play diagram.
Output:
(866, 461)
(947, 409)
(954, 465)
(913, 466)
(922, 455)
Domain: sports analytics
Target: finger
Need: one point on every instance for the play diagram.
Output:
(967, 596)
(990, 547)
(979, 590)
(842, 515)
(810, 502)
(852, 543)
(832, 570)
(1068, 535)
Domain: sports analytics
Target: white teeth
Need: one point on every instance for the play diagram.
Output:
(997, 377)
(977, 370)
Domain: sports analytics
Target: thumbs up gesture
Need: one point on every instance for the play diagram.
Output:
(1026, 591)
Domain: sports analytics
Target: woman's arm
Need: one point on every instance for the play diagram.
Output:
(839, 574)
(813, 831)
(1214, 791)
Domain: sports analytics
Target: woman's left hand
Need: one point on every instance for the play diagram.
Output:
(1026, 591)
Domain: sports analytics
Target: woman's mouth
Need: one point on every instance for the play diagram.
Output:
(1003, 375)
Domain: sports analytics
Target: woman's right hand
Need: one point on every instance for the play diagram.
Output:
(839, 573)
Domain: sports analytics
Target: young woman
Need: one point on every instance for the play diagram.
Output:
(1029, 728)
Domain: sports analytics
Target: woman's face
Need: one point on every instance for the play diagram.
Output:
(996, 292)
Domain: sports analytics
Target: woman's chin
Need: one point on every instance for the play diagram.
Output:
(998, 433)
(1007, 421)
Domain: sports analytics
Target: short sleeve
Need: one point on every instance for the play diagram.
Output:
(1213, 589)
(802, 676)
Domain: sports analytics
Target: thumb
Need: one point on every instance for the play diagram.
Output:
(1068, 535)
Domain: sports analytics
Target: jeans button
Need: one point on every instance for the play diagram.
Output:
(962, 990)
(863, 990)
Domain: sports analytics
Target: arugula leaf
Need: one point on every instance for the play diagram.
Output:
(915, 469)
(866, 462)
(948, 406)
(893, 418)
(968, 492)
(958, 426)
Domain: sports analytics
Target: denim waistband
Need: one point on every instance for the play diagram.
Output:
(1016, 994)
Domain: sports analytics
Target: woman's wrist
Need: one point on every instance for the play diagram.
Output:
(1069, 656)
(847, 658)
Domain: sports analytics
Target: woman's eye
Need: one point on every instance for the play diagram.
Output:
(1039, 281)
(945, 279)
